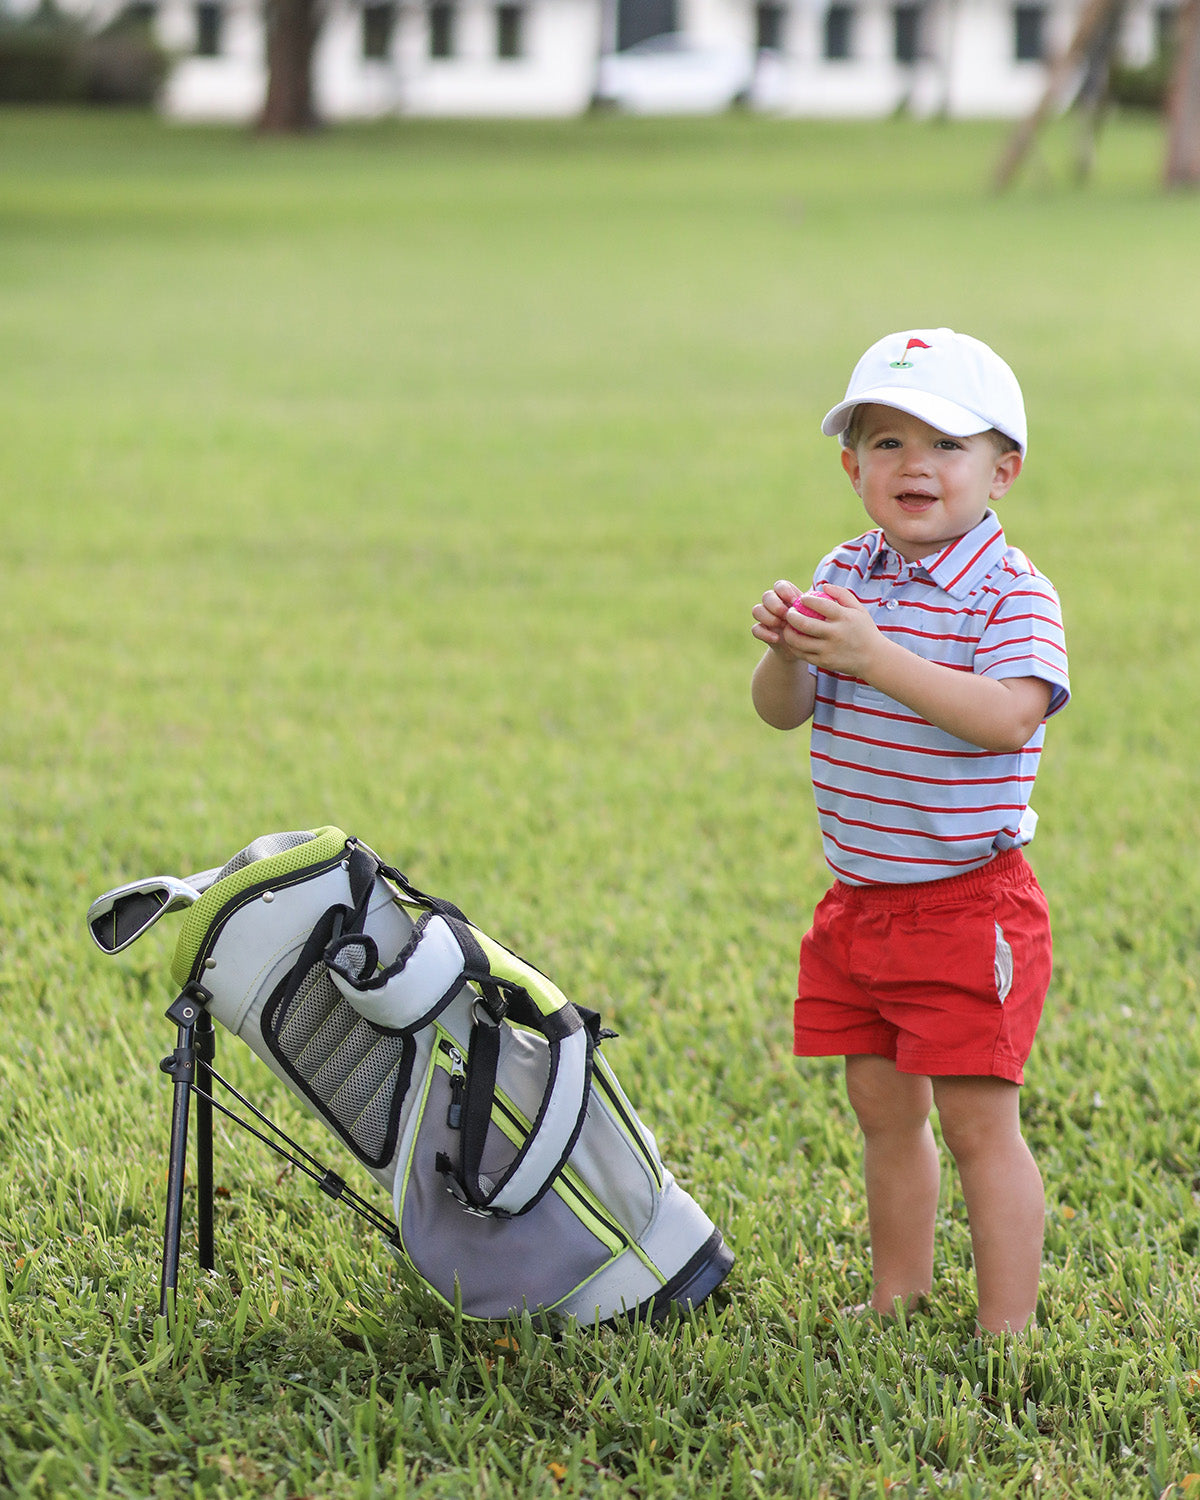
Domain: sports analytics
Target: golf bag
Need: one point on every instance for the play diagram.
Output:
(459, 1076)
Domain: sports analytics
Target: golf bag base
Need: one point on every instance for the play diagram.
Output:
(456, 1073)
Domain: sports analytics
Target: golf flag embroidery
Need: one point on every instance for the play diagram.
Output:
(904, 363)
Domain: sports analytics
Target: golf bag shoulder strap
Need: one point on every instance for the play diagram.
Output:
(552, 1134)
(442, 953)
(409, 892)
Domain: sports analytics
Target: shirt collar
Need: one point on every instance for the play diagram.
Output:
(958, 568)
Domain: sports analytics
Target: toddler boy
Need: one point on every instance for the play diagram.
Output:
(928, 657)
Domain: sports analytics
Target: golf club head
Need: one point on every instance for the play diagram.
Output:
(124, 914)
(121, 916)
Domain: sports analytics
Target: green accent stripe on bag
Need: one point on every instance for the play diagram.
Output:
(325, 844)
(505, 964)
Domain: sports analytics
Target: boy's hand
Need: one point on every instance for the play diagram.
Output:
(844, 640)
(775, 626)
(783, 689)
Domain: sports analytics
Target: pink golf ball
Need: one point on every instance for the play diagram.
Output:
(802, 609)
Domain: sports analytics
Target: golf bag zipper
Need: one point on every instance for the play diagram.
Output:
(458, 1083)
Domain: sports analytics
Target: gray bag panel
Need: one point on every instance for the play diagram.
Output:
(498, 1266)
(605, 1159)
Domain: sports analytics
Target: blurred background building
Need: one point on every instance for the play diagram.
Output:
(834, 58)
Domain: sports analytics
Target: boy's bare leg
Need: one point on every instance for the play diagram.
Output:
(900, 1162)
(1006, 1205)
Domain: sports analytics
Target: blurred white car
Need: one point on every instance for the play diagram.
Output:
(672, 74)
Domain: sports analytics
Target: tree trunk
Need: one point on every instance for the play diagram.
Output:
(1097, 16)
(292, 27)
(1183, 102)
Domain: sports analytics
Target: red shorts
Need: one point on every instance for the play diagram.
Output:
(945, 977)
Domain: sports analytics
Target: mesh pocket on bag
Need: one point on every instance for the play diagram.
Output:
(353, 1073)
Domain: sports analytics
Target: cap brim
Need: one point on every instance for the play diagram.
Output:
(946, 416)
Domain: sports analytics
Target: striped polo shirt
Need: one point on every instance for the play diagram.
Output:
(898, 799)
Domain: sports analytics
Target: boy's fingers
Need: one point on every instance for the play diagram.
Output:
(787, 593)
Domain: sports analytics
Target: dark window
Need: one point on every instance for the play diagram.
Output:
(1029, 33)
(441, 30)
(638, 20)
(208, 28)
(768, 26)
(1166, 18)
(839, 32)
(510, 26)
(377, 22)
(906, 26)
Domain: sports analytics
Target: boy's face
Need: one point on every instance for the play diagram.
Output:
(923, 487)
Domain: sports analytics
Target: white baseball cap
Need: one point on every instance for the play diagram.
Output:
(950, 380)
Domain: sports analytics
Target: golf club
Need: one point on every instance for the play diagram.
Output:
(121, 916)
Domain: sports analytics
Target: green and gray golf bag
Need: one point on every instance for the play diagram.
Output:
(460, 1077)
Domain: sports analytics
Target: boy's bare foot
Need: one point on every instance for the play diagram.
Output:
(865, 1310)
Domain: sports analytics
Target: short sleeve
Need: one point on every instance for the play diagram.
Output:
(1024, 637)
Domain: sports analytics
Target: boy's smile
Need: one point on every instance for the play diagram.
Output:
(923, 487)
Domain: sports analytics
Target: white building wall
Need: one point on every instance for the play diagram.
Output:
(985, 78)
(968, 67)
(866, 84)
(347, 85)
(719, 23)
(555, 75)
(231, 86)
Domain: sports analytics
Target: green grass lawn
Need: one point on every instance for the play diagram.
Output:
(419, 479)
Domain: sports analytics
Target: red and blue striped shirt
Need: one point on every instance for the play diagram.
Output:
(898, 799)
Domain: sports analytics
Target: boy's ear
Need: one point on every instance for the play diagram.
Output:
(854, 469)
(1005, 475)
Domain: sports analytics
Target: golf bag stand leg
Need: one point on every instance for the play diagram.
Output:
(188, 1066)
